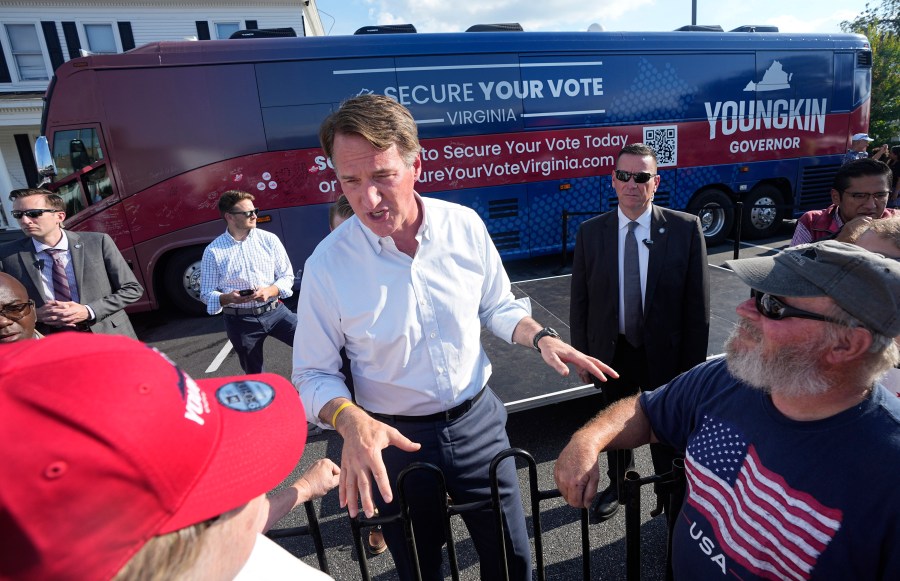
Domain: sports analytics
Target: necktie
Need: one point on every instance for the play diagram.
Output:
(61, 289)
(634, 310)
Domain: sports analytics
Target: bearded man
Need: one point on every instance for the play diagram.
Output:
(779, 434)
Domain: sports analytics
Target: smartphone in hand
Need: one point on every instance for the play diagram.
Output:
(246, 292)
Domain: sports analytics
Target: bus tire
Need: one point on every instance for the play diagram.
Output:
(762, 222)
(181, 280)
(716, 212)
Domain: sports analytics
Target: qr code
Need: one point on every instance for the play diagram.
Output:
(664, 141)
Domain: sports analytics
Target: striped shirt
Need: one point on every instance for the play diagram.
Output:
(257, 261)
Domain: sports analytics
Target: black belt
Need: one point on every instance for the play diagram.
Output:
(444, 416)
(269, 306)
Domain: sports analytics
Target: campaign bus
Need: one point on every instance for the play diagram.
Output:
(523, 127)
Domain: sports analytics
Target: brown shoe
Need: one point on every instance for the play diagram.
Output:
(376, 542)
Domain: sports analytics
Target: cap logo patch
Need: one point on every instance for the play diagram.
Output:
(246, 396)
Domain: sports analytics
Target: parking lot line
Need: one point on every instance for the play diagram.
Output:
(217, 362)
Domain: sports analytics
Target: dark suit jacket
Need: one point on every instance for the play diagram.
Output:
(105, 281)
(676, 300)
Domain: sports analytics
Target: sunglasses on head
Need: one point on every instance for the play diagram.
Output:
(15, 311)
(248, 213)
(641, 177)
(774, 308)
(17, 214)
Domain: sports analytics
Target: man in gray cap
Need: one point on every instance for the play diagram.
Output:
(790, 439)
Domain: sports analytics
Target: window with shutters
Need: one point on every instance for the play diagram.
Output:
(224, 30)
(101, 39)
(27, 52)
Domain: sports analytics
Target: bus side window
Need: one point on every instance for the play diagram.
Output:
(75, 149)
(98, 185)
(72, 196)
(82, 178)
(79, 155)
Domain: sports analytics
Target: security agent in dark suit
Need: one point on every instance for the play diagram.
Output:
(664, 272)
(78, 280)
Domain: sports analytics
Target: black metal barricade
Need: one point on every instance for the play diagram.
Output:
(450, 509)
(311, 529)
(672, 485)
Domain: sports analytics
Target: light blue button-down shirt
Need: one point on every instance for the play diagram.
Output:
(259, 260)
(411, 326)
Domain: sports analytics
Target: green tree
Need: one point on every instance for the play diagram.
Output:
(881, 25)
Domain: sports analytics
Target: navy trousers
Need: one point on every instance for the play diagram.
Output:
(463, 450)
(247, 334)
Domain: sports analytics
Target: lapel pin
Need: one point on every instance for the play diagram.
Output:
(662, 230)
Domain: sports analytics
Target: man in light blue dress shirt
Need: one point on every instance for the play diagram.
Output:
(244, 274)
(405, 286)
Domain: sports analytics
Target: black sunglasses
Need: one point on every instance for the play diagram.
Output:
(17, 214)
(15, 311)
(248, 213)
(774, 308)
(641, 177)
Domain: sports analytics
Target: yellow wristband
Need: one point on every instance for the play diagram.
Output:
(338, 411)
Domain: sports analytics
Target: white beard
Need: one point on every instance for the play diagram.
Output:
(794, 368)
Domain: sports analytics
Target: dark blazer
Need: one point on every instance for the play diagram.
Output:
(676, 300)
(105, 281)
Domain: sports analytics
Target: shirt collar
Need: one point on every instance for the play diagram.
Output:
(643, 219)
(235, 240)
(63, 244)
(425, 229)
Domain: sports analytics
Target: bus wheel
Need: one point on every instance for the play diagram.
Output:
(762, 217)
(182, 280)
(716, 212)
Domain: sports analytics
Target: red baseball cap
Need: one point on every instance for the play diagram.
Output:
(106, 443)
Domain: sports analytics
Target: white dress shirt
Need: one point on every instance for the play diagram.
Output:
(258, 260)
(642, 233)
(411, 326)
(46, 266)
(270, 562)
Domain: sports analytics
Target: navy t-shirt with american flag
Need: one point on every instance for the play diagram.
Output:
(773, 498)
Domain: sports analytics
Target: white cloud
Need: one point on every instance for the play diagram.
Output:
(576, 15)
(443, 16)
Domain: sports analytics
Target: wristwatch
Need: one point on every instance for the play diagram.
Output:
(545, 332)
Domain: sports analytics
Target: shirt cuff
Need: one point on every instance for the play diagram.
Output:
(316, 393)
(505, 320)
(92, 318)
(213, 306)
(284, 291)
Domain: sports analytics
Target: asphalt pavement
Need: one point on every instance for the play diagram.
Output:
(199, 345)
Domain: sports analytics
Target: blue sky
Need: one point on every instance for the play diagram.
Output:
(345, 16)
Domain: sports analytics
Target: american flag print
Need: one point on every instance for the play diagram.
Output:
(769, 528)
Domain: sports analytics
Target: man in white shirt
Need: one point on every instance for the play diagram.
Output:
(405, 286)
(244, 274)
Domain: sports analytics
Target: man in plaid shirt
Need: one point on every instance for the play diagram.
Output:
(244, 274)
